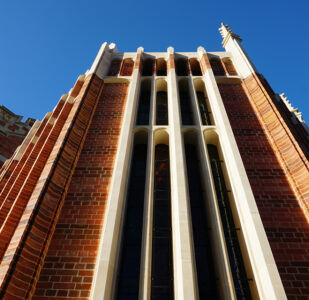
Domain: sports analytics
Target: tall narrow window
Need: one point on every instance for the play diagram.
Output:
(147, 67)
(230, 232)
(162, 257)
(185, 105)
(162, 108)
(129, 269)
(127, 67)
(144, 103)
(161, 67)
(204, 111)
(203, 103)
(207, 284)
(195, 67)
(182, 67)
(217, 67)
(114, 67)
(229, 66)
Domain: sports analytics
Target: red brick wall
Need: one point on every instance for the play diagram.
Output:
(127, 67)
(34, 224)
(287, 149)
(284, 221)
(8, 144)
(298, 131)
(70, 261)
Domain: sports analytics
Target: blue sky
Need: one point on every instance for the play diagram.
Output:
(46, 44)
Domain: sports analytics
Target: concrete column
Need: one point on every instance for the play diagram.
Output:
(145, 273)
(213, 214)
(232, 43)
(194, 104)
(185, 283)
(263, 265)
(106, 266)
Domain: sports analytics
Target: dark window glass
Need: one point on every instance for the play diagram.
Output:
(185, 106)
(127, 67)
(207, 281)
(204, 111)
(161, 67)
(235, 257)
(129, 269)
(162, 109)
(147, 67)
(114, 68)
(182, 67)
(195, 67)
(217, 67)
(162, 256)
(144, 104)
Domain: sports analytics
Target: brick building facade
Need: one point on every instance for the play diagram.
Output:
(171, 175)
(12, 132)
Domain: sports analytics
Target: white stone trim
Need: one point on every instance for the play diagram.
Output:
(185, 281)
(146, 251)
(106, 265)
(194, 102)
(262, 261)
(222, 266)
(102, 61)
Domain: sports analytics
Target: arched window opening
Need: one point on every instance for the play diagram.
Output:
(238, 270)
(161, 67)
(195, 67)
(182, 67)
(207, 280)
(162, 251)
(147, 67)
(185, 105)
(130, 255)
(144, 103)
(161, 103)
(127, 67)
(229, 67)
(114, 67)
(217, 67)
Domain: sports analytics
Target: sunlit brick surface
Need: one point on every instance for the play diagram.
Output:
(284, 221)
(34, 218)
(70, 261)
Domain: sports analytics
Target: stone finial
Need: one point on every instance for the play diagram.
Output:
(140, 50)
(291, 108)
(226, 31)
(201, 50)
(113, 47)
(170, 50)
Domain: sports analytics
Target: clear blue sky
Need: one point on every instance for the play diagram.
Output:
(46, 44)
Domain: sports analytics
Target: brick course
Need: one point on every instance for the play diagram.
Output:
(8, 144)
(25, 253)
(291, 156)
(284, 220)
(69, 265)
(12, 132)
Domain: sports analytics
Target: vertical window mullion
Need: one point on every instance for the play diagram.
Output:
(230, 232)
(207, 281)
(204, 112)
